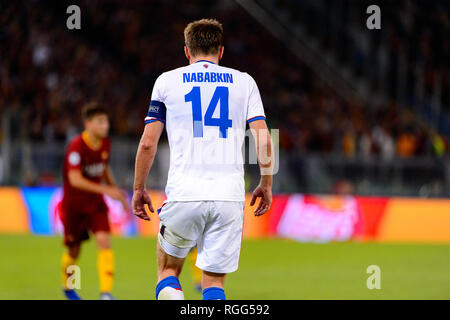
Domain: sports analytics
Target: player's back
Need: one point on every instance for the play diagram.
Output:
(205, 107)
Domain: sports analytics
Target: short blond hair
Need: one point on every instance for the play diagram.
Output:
(203, 36)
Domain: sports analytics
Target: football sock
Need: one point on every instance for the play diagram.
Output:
(66, 261)
(105, 266)
(213, 293)
(71, 294)
(169, 289)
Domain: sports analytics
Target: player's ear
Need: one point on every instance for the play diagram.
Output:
(186, 53)
(86, 123)
(221, 49)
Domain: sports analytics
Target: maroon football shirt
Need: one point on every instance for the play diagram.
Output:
(92, 162)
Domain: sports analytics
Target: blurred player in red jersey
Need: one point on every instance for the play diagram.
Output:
(83, 207)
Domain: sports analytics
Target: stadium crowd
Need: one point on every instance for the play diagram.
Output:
(47, 72)
(408, 60)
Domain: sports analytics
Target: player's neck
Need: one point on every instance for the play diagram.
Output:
(91, 140)
(213, 59)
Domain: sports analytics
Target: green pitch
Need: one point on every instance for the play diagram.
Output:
(269, 269)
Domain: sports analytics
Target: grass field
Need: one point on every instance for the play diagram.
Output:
(269, 269)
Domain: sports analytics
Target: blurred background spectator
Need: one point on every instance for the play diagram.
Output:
(393, 145)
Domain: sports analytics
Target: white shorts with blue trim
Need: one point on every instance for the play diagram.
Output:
(215, 227)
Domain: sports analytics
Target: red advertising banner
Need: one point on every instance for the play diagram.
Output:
(309, 218)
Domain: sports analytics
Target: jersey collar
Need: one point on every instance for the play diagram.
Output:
(204, 61)
(89, 143)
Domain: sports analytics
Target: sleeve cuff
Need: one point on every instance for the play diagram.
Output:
(256, 118)
(150, 120)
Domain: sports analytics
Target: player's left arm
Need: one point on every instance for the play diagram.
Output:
(144, 160)
(264, 154)
(257, 122)
(108, 178)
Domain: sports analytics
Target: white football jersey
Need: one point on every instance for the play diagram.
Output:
(205, 108)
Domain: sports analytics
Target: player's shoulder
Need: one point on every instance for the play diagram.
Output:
(171, 73)
(165, 78)
(229, 69)
(106, 143)
(75, 149)
(76, 142)
(244, 76)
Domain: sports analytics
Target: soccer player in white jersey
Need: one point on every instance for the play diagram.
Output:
(205, 108)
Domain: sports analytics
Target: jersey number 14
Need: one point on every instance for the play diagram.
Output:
(223, 122)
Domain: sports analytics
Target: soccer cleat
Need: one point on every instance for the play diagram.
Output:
(71, 294)
(170, 293)
(106, 296)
